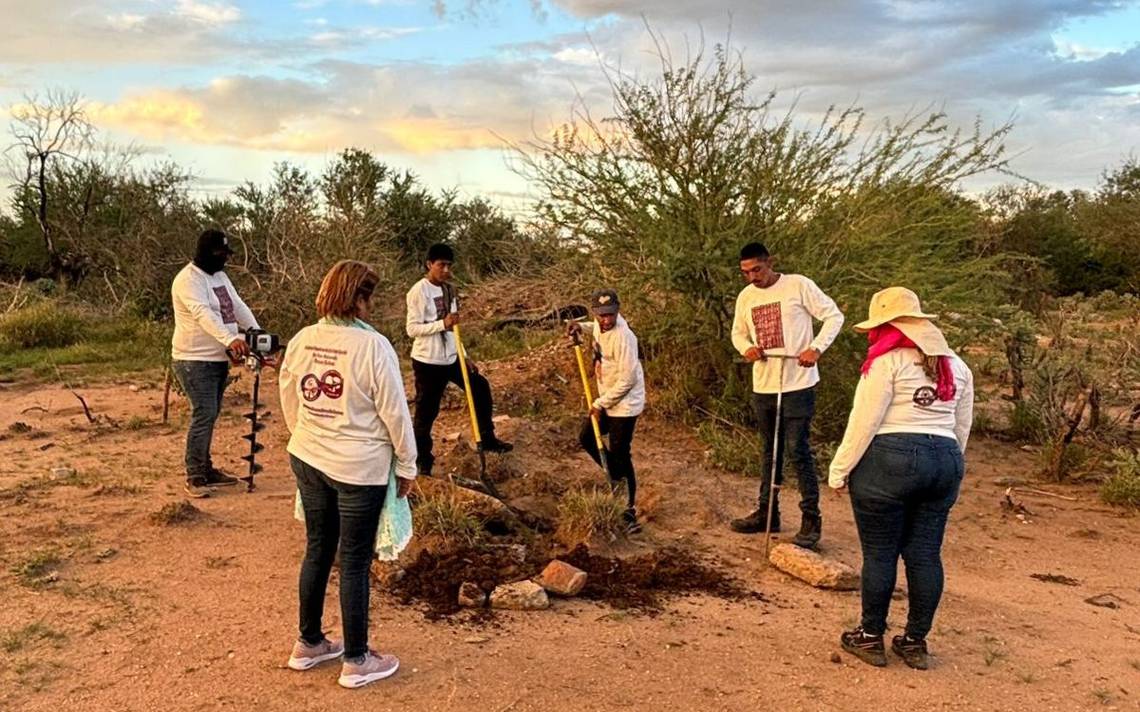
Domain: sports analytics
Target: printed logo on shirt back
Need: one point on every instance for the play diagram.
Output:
(330, 384)
(225, 305)
(769, 325)
(925, 396)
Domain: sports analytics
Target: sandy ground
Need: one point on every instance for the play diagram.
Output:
(134, 615)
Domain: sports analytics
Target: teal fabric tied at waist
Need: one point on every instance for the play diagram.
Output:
(395, 530)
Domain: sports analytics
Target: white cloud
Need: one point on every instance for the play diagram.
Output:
(1078, 52)
(581, 56)
(126, 21)
(207, 13)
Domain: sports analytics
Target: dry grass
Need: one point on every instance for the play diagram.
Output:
(175, 513)
(448, 516)
(589, 514)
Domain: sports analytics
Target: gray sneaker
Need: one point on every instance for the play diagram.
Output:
(306, 656)
(370, 668)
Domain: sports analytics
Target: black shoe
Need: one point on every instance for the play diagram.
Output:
(811, 529)
(755, 523)
(217, 478)
(497, 445)
(868, 648)
(197, 487)
(629, 518)
(912, 651)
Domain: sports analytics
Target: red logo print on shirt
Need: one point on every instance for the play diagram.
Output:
(331, 384)
(225, 305)
(769, 326)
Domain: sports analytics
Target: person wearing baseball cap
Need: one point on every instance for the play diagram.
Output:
(902, 460)
(621, 393)
(208, 318)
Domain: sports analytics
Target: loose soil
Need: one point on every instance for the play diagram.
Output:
(106, 610)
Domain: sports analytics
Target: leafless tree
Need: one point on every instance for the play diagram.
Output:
(46, 129)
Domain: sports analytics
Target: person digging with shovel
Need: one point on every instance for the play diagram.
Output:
(621, 395)
(433, 313)
(774, 313)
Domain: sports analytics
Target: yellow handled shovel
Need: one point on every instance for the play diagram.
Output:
(487, 483)
(590, 403)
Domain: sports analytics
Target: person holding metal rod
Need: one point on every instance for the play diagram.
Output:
(432, 314)
(621, 395)
(208, 319)
(773, 321)
(353, 454)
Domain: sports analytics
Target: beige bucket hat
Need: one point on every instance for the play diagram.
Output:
(900, 307)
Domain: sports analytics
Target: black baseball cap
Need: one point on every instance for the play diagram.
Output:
(214, 241)
(605, 301)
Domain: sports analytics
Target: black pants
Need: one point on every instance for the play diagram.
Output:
(796, 411)
(337, 514)
(620, 430)
(431, 380)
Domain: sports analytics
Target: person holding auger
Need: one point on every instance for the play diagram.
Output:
(433, 312)
(621, 394)
(773, 321)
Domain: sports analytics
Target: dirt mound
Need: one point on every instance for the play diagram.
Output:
(434, 577)
(642, 582)
(645, 581)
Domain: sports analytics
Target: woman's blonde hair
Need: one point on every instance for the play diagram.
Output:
(347, 281)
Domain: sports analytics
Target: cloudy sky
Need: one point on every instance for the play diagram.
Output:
(228, 88)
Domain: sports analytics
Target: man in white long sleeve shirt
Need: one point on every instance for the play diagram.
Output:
(208, 317)
(774, 316)
(621, 393)
(433, 310)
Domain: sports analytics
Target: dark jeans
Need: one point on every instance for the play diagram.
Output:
(620, 430)
(796, 412)
(431, 380)
(902, 491)
(204, 382)
(348, 515)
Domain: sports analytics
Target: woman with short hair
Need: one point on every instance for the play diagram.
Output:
(902, 460)
(343, 399)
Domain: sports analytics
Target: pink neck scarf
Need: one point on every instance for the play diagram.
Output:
(886, 338)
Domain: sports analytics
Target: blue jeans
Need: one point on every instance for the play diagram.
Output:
(796, 412)
(337, 514)
(902, 491)
(204, 382)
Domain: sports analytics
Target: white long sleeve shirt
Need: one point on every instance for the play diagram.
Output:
(896, 396)
(207, 315)
(431, 342)
(621, 380)
(778, 319)
(343, 399)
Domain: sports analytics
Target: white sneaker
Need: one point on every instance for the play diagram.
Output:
(371, 668)
(306, 656)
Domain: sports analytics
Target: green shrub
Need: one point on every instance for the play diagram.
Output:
(1122, 487)
(46, 324)
(734, 449)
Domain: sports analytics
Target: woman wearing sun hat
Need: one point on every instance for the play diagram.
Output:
(902, 460)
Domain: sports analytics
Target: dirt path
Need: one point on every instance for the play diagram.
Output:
(106, 610)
